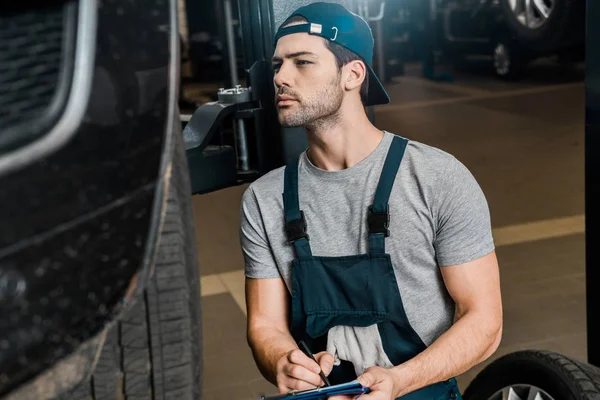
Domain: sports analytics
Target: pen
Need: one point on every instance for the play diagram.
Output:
(310, 354)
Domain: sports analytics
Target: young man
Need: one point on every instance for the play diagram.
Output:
(374, 250)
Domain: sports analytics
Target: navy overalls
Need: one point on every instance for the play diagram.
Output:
(354, 290)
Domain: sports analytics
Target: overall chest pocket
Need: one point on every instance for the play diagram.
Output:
(352, 291)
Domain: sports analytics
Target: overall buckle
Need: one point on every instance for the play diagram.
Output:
(379, 222)
(296, 229)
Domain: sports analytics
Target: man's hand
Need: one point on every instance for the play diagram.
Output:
(381, 382)
(297, 371)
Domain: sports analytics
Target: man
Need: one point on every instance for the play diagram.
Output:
(374, 250)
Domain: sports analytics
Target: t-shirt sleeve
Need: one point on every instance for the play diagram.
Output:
(463, 225)
(259, 261)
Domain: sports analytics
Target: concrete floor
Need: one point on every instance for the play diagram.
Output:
(523, 142)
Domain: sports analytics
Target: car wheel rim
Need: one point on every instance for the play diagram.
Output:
(501, 60)
(521, 392)
(532, 13)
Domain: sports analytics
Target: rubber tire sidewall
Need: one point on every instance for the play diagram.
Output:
(521, 368)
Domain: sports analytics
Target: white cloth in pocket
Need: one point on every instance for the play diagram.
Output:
(361, 346)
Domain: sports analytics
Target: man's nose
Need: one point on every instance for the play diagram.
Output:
(283, 77)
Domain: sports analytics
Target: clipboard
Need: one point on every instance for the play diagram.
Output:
(348, 389)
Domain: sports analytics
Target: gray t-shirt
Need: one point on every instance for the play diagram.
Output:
(439, 217)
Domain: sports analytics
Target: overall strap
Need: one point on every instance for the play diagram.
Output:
(295, 224)
(379, 216)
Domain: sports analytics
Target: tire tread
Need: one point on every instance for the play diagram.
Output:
(154, 351)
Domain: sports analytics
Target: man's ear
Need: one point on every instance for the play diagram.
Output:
(356, 73)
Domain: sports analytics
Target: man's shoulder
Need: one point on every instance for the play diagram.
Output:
(427, 154)
(268, 186)
(434, 168)
(427, 161)
(439, 170)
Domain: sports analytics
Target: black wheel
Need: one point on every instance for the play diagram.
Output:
(539, 375)
(546, 25)
(507, 60)
(155, 349)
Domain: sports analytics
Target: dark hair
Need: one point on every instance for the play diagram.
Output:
(342, 57)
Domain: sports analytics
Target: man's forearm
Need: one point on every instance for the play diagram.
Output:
(471, 340)
(268, 346)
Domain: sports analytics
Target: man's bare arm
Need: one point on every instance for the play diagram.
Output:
(474, 337)
(267, 331)
(275, 351)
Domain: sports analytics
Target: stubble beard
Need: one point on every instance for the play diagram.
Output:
(319, 110)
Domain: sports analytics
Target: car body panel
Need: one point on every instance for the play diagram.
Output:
(79, 224)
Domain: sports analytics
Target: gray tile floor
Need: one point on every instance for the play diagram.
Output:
(523, 142)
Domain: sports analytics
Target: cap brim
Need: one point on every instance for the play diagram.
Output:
(376, 94)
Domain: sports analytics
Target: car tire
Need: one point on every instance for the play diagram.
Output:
(154, 351)
(564, 27)
(554, 376)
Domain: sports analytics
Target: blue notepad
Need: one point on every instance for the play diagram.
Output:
(353, 388)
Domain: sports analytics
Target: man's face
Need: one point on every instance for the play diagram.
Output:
(307, 81)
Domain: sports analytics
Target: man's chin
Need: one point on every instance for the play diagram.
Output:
(288, 124)
(287, 121)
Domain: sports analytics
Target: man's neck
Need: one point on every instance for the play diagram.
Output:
(338, 146)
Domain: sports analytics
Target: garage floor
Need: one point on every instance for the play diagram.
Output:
(524, 144)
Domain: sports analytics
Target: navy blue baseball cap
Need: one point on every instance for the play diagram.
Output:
(338, 25)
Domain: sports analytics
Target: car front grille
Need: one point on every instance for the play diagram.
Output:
(33, 59)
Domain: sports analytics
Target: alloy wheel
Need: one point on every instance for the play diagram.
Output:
(521, 392)
(532, 13)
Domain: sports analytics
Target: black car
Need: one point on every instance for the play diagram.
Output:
(99, 282)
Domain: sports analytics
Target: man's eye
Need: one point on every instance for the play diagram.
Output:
(303, 62)
(276, 67)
